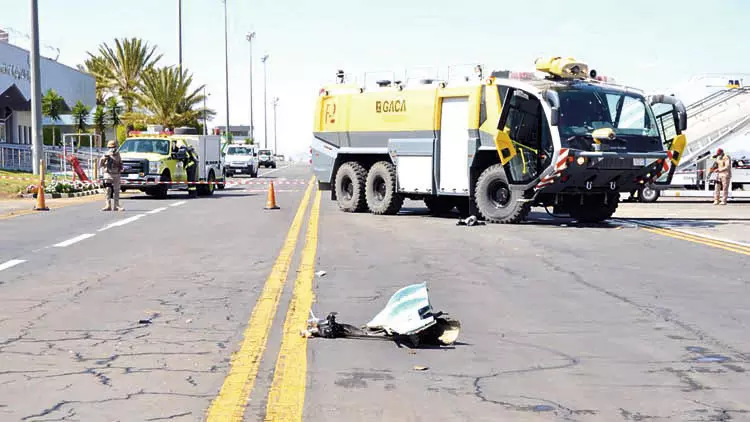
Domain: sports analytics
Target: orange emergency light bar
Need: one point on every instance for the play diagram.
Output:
(163, 134)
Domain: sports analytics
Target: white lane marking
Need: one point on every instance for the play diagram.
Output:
(275, 190)
(271, 171)
(122, 222)
(11, 263)
(156, 210)
(73, 240)
(177, 204)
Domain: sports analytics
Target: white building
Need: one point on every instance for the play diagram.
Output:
(15, 90)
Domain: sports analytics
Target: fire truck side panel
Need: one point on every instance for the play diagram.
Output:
(391, 124)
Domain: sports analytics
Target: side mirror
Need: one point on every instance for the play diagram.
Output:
(682, 117)
(555, 116)
(678, 108)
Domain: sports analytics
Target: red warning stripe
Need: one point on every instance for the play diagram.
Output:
(562, 161)
(140, 182)
(669, 160)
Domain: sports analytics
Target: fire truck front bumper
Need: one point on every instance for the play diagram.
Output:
(139, 180)
(595, 172)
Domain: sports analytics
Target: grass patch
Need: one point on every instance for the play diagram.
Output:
(9, 188)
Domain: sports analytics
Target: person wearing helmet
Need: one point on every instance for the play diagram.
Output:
(191, 168)
(723, 169)
(110, 167)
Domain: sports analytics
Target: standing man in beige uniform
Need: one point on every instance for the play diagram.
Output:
(723, 169)
(110, 166)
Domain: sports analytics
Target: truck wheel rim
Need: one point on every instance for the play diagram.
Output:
(347, 188)
(499, 194)
(380, 188)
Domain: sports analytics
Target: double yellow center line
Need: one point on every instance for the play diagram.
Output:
(727, 246)
(286, 396)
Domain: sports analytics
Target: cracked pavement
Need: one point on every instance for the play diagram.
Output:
(559, 322)
(138, 322)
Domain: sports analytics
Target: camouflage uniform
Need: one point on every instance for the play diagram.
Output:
(110, 165)
(723, 178)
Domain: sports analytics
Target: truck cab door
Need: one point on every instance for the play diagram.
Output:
(178, 168)
(671, 119)
(523, 141)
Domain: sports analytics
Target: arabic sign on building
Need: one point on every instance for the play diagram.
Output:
(15, 71)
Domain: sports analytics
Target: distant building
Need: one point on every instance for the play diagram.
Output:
(239, 130)
(15, 90)
(3, 36)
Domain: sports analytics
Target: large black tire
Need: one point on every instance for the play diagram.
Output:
(495, 201)
(439, 205)
(161, 191)
(208, 189)
(382, 197)
(593, 209)
(350, 187)
(649, 194)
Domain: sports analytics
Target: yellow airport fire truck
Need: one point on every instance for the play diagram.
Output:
(152, 161)
(558, 137)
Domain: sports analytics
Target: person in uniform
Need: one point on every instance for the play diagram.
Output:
(723, 169)
(191, 167)
(110, 167)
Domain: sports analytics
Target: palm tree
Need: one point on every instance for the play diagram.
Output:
(120, 68)
(80, 116)
(167, 94)
(113, 111)
(52, 106)
(96, 66)
(100, 121)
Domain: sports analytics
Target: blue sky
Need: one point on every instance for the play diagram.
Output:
(654, 45)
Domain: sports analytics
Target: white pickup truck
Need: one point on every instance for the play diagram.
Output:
(241, 159)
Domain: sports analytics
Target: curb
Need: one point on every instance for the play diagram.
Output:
(67, 195)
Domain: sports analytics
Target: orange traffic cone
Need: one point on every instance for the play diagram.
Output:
(40, 205)
(271, 199)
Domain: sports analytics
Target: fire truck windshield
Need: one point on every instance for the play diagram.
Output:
(583, 110)
(158, 146)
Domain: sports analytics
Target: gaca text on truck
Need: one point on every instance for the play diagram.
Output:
(559, 137)
(154, 161)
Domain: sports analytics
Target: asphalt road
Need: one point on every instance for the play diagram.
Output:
(159, 318)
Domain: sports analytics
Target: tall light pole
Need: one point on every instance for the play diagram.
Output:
(179, 32)
(250, 37)
(226, 64)
(275, 104)
(265, 102)
(205, 118)
(36, 91)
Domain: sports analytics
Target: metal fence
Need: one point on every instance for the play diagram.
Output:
(19, 158)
